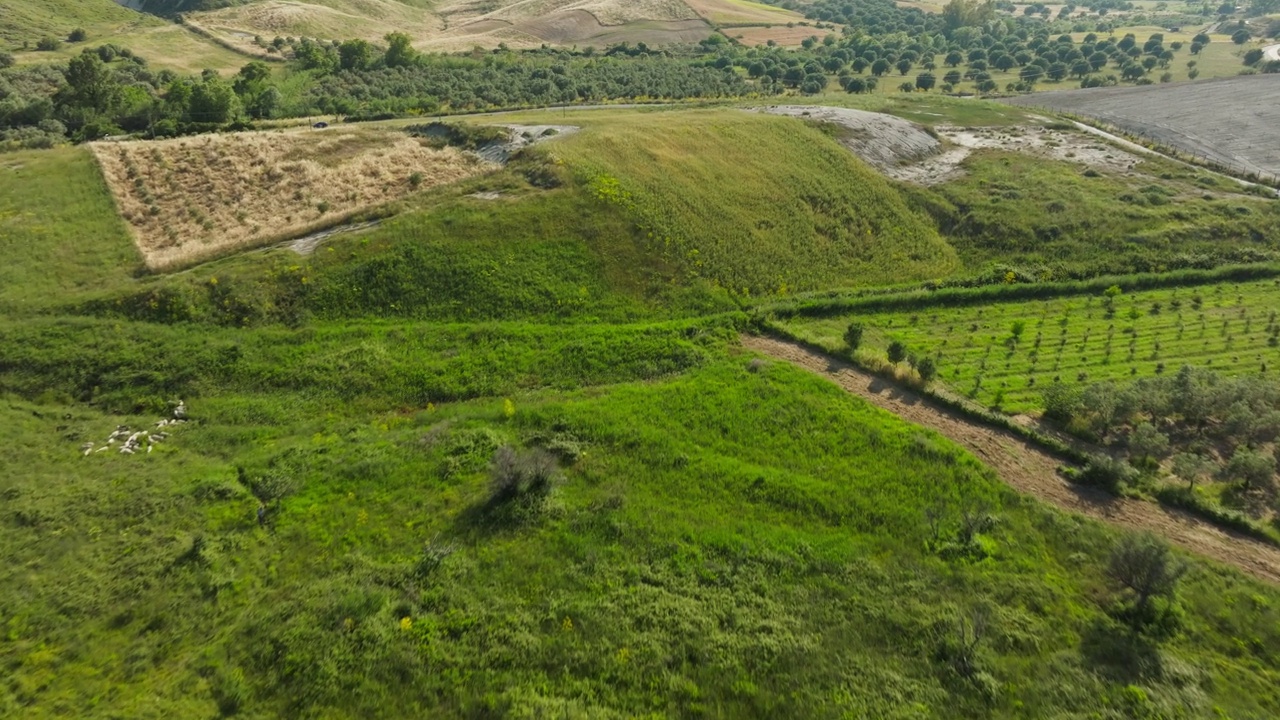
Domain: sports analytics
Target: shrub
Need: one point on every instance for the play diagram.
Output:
(48, 44)
(520, 475)
(927, 368)
(6, 60)
(1106, 472)
(1062, 402)
(78, 35)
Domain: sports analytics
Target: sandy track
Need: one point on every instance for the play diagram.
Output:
(1031, 470)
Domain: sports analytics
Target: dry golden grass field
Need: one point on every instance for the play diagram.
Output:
(743, 12)
(780, 34)
(454, 25)
(190, 199)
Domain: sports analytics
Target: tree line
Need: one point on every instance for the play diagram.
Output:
(109, 90)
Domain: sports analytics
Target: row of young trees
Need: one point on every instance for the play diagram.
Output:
(357, 78)
(861, 61)
(109, 90)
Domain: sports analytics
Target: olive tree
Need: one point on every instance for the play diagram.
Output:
(1144, 565)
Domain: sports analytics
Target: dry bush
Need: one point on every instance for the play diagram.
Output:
(189, 199)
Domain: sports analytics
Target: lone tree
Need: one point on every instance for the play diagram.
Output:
(927, 368)
(897, 352)
(1144, 565)
(853, 336)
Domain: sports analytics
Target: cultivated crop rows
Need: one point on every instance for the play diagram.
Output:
(1005, 354)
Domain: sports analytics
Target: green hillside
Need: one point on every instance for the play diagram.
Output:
(503, 456)
(30, 20)
(758, 204)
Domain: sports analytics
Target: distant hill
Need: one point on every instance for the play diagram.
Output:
(28, 20)
(450, 24)
(439, 25)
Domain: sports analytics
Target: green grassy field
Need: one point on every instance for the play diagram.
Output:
(710, 192)
(30, 20)
(1059, 219)
(721, 536)
(1006, 353)
(163, 44)
(59, 231)
(795, 573)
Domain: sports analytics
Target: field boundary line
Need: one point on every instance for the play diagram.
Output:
(1028, 467)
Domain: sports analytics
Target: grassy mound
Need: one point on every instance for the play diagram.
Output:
(755, 203)
(1057, 218)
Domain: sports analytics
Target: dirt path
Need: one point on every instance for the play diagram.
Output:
(1032, 471)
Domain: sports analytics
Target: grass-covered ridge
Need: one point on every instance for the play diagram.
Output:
(31, 20)
(1059, 220)
(758, 204)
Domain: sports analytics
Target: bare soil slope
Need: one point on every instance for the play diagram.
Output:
(1033, 471)
(1228, 121)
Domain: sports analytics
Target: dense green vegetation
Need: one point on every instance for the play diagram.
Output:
(357, 81)
(501, 456)
(798, 571)
(109, 90)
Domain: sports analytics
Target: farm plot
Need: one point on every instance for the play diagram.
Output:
(1247, 141)
(1005, 354)
(189, 199)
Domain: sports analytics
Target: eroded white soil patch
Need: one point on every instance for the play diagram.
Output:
(1064, 145)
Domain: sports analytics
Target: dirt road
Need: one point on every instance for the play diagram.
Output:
(1031, 470)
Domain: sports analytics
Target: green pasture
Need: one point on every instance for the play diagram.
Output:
(726, 539)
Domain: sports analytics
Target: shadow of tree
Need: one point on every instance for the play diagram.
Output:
(1118, 653)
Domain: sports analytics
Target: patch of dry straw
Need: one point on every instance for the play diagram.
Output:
(189, 199)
